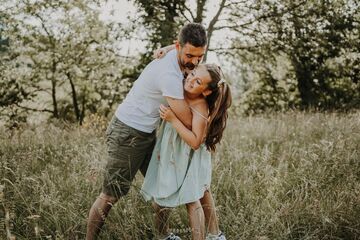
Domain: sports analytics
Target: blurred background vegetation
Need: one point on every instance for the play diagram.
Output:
(62, 59)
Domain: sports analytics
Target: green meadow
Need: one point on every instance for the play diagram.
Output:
(281, 176)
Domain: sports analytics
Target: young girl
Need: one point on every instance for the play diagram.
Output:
(180, 168)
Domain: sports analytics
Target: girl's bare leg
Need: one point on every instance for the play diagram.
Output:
(211, 218)
(196, 219)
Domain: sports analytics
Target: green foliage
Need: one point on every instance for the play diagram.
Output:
(161, 21)
(285, 176)
(11, 91)
(319, 41)
(59, 58)
(4, 42)
(314, 34)
(271, 86)
(62, 57)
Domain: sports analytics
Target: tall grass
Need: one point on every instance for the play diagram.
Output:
(286, 176)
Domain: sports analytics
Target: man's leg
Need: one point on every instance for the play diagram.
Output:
(162, 215)
(97, 215)
(127, 150)
(196, 220)
(211, 218)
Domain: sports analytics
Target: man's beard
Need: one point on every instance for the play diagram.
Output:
(189, 66)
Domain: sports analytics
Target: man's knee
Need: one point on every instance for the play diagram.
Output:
(161, 210)
(110, 200)
(113, 190)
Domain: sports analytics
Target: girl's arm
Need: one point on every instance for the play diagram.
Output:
(181, 110)
(193, 137)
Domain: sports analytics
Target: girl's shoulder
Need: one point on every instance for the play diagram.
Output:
(198, 102)
(200, 107)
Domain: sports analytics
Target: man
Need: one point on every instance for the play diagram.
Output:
(131, 133)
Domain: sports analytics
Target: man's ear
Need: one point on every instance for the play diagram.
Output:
(207, 92)
(177, 45)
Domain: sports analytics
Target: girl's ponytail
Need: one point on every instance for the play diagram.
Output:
(219, 101)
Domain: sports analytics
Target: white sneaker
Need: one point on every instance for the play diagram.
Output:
(220, 236)
(172, 237)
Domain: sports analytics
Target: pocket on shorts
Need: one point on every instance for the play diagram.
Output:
(117, 133)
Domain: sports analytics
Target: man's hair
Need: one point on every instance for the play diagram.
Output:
(194, 34)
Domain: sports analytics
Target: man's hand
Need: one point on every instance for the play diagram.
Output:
(166, 113)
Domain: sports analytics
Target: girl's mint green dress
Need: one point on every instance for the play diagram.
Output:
(176, 174)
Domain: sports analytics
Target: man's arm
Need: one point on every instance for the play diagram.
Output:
(181, 110)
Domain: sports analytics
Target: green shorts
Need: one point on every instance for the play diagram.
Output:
(128, 151)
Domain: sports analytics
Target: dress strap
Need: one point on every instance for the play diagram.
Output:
(199, 113)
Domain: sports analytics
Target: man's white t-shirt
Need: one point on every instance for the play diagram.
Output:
(161, 78)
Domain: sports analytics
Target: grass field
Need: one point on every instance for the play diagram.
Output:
(285, 176)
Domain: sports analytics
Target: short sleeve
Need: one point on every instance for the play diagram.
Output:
(171, 86)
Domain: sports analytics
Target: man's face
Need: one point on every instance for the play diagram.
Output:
(189, 56)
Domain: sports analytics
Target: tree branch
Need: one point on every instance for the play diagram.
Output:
(191, 14)
(233, 48)
(34, 109)
(200, 10)
(262, 17)
(45, 29)
(183, 14)
(212, 24)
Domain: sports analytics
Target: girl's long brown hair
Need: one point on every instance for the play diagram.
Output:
(219, 101)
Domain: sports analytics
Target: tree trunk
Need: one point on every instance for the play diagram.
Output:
(82, 115)
(305, 86)
(74, 97)
(53, 91)
(210, 29)
(200, 11)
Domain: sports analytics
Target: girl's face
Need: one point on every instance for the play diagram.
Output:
(197, 81)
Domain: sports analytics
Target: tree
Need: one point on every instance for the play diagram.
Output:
(161, 21)
(4, 42)
(12, 92)
(320, 39)
(314, 36)
(63, 51)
